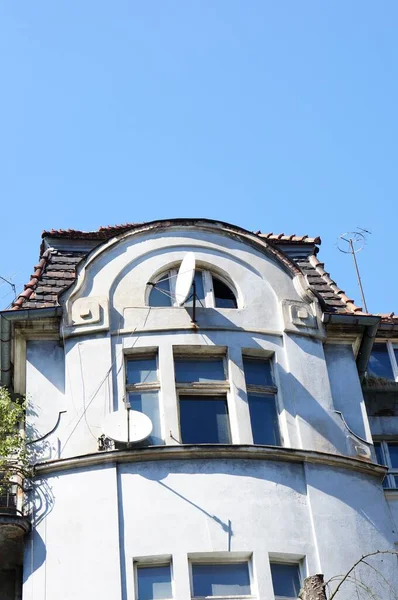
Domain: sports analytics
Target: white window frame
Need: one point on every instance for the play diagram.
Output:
(291, 562)
(153, 386)
(386, 455)
(214, 560)
(153, 561)
(207, 279)
(206, 388)
(263, 390)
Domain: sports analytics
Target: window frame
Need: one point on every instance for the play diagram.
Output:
(153, 562)
(300, 568)
(208, 288)
(262, 390)
(143, 387)
(391, 346)
(392, 471)
(214, 560)
(220, 389)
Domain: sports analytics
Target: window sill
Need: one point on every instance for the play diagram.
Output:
(391, 493)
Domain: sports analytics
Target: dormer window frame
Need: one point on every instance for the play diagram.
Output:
(209, 298)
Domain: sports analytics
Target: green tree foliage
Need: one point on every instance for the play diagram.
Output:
(13, 459)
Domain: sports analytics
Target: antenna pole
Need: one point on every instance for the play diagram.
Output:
(358, 275)
(128, 424)
(194, 301)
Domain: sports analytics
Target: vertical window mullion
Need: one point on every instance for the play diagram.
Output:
(173, 276)
(393, 360)
(208, 289)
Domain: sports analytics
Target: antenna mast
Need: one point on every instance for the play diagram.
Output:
(355, 241)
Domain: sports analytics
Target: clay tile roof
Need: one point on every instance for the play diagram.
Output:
(56, 269)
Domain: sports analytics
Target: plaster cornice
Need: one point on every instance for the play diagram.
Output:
(209, 452)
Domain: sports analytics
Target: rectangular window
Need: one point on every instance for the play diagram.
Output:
(154, 582)
(383, 362)
(221, 579)
(387, 454)
(262, 403)
(285, 580)
(202, 391)
(143, 387)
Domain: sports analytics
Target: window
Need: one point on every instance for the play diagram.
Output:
(153, 582)
(202, 391)
(143, 391)
(387, 454)
(261, 398)
(383, 362)
(220, 579)
(211, 291)
(285, 580)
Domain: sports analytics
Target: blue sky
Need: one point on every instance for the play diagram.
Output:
(279, 116)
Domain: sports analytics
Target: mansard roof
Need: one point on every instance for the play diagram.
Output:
(56, 269)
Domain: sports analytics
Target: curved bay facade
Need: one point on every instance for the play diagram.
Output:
(260, 468)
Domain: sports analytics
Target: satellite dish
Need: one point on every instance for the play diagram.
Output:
(127, 426)
(185, 276)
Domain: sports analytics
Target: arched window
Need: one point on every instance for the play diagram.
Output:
(211, 291)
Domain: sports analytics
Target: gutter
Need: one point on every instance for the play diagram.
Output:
(370, 323)
(7, 317)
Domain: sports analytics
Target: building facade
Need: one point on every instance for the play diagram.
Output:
(270, 425)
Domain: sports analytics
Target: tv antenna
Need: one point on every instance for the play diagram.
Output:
(353, 242)
(9, 283)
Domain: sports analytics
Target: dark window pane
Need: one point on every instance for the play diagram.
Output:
(257, 372)
(200, 292)
(154, 583)
(379, 362)
(199, 370)
(379, 453)
(395, 481)
(396, 355)
(221, 580)
(160, 294)
(143, 370)
(393, 452)
(223, 296)
(264, 420)
(148, 403)
(286, 580)
(204, 420)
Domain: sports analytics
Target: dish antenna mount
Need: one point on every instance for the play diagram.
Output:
(127, 426)
(353, 242)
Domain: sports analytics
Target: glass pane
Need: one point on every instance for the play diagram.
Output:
(148, 403)
(393, 452)
(221, 580)
(160, 294)
(257, 372)
(286, 580)
(379, 363)
(204, 420)
(395, 481)
(379, 453)
(200, 292)
(396, 355)
(199, 370)
(154, 582)
(264, 420)
(223, 296)
(142, 370)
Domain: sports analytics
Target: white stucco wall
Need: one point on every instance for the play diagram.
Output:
(93, 522)
(100, 519)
